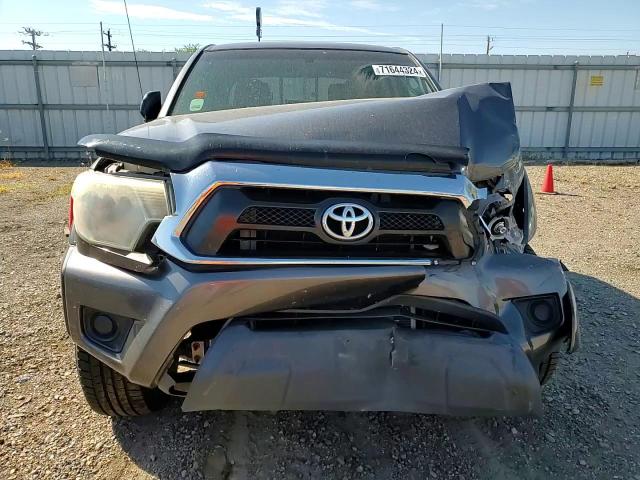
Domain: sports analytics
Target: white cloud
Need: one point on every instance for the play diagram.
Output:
(310, 8)
(373, 5)
(484, 5)
(285, 13)
(490, 5)
(147, 11)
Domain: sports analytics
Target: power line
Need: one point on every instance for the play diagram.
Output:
(508, 38)
(435, 26)
(432, 46)
(188, 33)
(459, 40)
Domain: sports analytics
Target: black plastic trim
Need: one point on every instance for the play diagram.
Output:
(455, 313)
(478, 318)
(115, 342)
(117, 259)
(533, 327)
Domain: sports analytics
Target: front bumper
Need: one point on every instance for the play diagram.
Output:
(347, 368)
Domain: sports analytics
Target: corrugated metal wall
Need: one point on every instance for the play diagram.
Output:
(75, 97)
(598, 95)
(596, 99)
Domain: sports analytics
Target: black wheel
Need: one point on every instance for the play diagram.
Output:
(109, 393)
(548, 367)
(529, 250)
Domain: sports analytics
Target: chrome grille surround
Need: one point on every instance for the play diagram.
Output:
(193, 188)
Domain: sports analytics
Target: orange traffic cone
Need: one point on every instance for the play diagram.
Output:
(547, 184)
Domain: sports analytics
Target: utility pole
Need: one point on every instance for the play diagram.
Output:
(440, 57)
(489, 46)
(33, 33)
(104, 74)
(109, 45)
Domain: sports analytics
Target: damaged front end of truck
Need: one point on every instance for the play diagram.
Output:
(353, 255)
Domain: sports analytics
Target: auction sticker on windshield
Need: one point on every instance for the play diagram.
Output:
(399, 70)
(196, 104)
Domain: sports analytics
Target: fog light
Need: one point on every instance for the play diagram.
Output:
(104, 326)
(541, 311)
(541, 314)
(107, 330)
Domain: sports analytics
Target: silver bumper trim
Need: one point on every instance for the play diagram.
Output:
(257, 261)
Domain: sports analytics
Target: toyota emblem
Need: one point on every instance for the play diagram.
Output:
(347, 221)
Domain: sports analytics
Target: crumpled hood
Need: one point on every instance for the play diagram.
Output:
(472, 127)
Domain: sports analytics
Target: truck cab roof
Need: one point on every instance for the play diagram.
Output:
(305, 46)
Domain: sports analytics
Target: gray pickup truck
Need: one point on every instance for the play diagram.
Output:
(312, 226)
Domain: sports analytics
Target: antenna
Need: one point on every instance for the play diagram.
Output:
(135, 57)
(259, 23)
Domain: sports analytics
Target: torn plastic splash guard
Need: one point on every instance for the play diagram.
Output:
(379, 367)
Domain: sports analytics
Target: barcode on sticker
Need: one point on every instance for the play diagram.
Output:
(399, 70)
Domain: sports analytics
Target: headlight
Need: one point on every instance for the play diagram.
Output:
(116, 210)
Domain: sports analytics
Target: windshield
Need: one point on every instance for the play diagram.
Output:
(222, 80)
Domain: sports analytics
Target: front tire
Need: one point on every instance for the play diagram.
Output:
(109, 393)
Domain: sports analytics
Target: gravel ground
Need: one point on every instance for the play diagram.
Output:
(590, 427)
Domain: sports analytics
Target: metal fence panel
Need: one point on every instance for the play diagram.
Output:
(577, 106)
(572, 106)
(78, 97)
(18, 128)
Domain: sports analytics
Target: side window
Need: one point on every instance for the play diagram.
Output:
(415, 87)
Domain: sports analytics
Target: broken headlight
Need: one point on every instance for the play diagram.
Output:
(116, 211)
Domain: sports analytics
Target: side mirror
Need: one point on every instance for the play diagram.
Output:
(150, 106)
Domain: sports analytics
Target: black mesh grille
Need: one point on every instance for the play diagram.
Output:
(304, 217)
(410, 221)
(280, 216)
(285, 223)
(283, 243)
